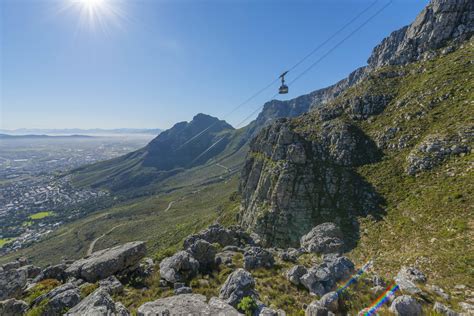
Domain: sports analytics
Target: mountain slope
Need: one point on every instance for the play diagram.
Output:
(164, 156)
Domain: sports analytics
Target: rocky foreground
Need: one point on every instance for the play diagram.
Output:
(88, 286)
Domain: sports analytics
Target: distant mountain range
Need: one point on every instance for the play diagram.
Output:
(167, 154)
(28, 136)
(79, 131)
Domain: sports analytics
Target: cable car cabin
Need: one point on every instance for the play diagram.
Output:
(283, 89)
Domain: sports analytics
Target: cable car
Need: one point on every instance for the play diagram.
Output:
(283, 88)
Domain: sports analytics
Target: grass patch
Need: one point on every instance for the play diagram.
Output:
(4, 241)
(40, 215)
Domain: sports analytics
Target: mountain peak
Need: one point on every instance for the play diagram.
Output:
(205, 121)
(440, 22)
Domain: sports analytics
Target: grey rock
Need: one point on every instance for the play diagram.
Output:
(186, 304)
(121, 310)
(406, 305)
(341, 267)
(407, 278)
(179, 268)
(31, 271)
(225, 258)
(315, 309)
(440, 22)
(233, 249)
(12, 282)
(233, 236)
(60, 298)
(257, 257)
(103, 263)
(204, 253)
(312, 283)
(285, 189)
(467, 308)
(112, 285)
(330, 301)
(183, 290)
(266, 311)
(98, 303)
(435, 149)
(320, 279)
(57, 272)
(239, 284)
(378, 281)
(291, 254)
(13, 265)
(295, 273)
(439, 291)
(13, 307)
(444, 310)
(324, 238)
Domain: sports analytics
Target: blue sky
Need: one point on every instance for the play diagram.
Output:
(164, 61)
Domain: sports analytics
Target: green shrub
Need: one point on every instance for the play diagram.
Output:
(247, 305)
(42, 287)
(88, 289)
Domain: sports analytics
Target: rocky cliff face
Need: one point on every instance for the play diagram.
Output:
(291, 182)
(304, 171)
(442, 21)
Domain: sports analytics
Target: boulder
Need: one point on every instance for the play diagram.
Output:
(291, 254)
(180, 267)
(266, 311)
(467, 308)
(257, 257)
(98, 303)
(121, 310)
(407, 278)
(406, 305)
(322, 278)
(57, 272)
(112, 285)
(313, 283)
(103, 263)
(60, 298)
(412, 274)
(13, 307)
(324, 238)
(315, 309)
(233, 249)
(183, 290)
(330, 301)
(341, 267)
(225, 257)
(12, 282)
(216, 233)
(31, 271)
(204, 253)
(439, 291)
(295, 273)
(444, 310)
(239, 284)
(13, 265)
(187, 304)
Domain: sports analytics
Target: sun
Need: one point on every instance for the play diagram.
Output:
(101, 14)
(92, 4)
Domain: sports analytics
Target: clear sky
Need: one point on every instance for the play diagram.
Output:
(152, 63)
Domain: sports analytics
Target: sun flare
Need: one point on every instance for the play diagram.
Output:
(91, 4)
(99, 13)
